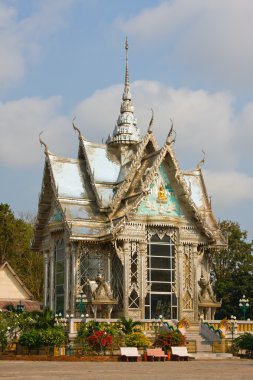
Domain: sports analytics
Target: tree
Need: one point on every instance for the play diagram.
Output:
(232, 271)
(7, 231)
(16, 235)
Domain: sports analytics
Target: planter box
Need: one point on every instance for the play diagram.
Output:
(97, 358)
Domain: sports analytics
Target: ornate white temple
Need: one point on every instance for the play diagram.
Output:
(126, 226)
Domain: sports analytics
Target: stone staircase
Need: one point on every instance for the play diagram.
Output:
(203, 348)
(193, 334)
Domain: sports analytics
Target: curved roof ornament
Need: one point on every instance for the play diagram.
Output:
(43, 143)
(171, 139)
(77, 129)
(150, 129)
(202, 161)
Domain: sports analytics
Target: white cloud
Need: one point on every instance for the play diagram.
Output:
(21, 41)
(202, 120)
(21, 122)
(229, 188)
(211, 38)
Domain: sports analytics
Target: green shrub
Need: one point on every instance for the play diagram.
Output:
(36, 338)
(30, 338)
(53, 337)
(244, 342)
(137, 339)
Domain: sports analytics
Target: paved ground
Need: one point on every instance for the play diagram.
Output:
(198, 370)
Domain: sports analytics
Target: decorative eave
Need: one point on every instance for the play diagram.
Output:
(48, 194)
(184, 195)
(135, 164)
(90, 174)
(207, 212)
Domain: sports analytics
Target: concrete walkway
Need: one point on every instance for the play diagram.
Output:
(192, 370)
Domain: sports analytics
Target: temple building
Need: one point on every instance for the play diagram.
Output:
(125, 227)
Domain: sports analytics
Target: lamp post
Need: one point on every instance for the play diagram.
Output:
(244, 305)
(81, 301)
(233, 325)
(20, 307)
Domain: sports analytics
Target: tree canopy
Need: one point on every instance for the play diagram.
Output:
(232, 271)
(15, 240)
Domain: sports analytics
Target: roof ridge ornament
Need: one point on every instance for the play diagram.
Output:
(43, 143)
(150, 129)
(81, 137)
(202, 161)
(169, 139)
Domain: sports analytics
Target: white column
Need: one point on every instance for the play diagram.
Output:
(52, 282)
(126, 252)
(45, 289)
(195, 280)
(143, 276)
(66, 279)
(73, 278)
(179, 285)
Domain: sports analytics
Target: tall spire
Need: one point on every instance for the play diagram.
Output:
(126, 89)
(126, 130)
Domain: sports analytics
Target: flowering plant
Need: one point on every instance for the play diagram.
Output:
(169, 338)
(183, 323)
(99, 341)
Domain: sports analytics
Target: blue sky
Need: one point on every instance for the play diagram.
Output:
(190, 60)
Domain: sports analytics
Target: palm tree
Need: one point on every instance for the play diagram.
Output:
(128, 325)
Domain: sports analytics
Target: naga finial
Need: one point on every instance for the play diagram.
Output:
(151, 122)
(76, 129)
(169, 139)
(202, 161)
(43, 143)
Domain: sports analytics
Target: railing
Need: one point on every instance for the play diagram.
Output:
(209, 332)
(240, 327)
(146, 324)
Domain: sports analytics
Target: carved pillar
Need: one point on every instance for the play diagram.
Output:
(126, 252)
(73, 255)
(195, 280)
(45, 286)
(51, 280)
(66, 279)
(179, 285)
(143, 276)
(108, 255)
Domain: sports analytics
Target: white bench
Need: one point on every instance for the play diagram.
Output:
(129, 353)
(179, 353)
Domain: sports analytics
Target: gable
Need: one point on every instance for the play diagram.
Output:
(10, 287)
(56, 216)
(161, 199)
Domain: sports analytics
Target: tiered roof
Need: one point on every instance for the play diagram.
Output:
(91, 195)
